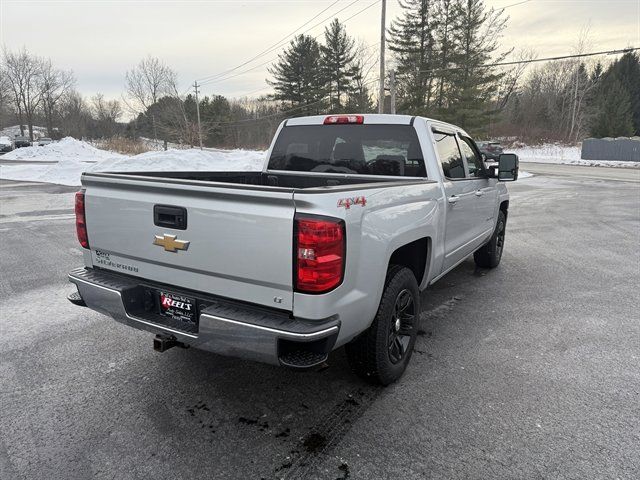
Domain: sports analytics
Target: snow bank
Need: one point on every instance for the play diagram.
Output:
(66, 149)
(564, 155)
(73, 157)
(181, 160)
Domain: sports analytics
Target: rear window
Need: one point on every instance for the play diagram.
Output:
(353, 149)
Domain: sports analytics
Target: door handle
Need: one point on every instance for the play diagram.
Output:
(479, 193)
(453, 199)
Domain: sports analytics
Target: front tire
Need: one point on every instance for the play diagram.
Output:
(381, 353)
(489, 255)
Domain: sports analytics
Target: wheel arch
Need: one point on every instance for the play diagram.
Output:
(504, 207)
(413, 255)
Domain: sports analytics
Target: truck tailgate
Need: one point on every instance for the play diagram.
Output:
(240, 237)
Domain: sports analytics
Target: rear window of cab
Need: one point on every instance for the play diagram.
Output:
(391, 150)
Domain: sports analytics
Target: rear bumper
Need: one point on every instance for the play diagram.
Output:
(224, 327)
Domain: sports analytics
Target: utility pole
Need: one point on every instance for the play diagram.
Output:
(195, 85)
(382, 39)
(392, 87)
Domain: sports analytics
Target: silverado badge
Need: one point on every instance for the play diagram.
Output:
(170, 243)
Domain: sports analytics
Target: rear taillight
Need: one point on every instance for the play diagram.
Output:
(342, 119)
(81, 223)
(319, 254)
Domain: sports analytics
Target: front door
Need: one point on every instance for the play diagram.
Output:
(485, 188)
(462, 224)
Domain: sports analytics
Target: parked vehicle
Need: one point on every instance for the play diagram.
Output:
(490, 150)
(44, 141)
(329, 245)
(20, 141)
(5, 144)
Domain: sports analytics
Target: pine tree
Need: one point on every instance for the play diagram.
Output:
(359, 97)
(445, 24)
(337, 54)
(476, 35)
(627, 70)
(411, 40)
(298, 79)
(613, 117)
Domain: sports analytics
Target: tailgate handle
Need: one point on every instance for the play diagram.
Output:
(169, 216)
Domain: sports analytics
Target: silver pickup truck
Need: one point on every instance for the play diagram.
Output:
(329, 245)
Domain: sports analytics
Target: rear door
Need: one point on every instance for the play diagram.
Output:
(234, 241)
(461, 222)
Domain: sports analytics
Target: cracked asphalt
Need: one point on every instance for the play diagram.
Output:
(531, 370)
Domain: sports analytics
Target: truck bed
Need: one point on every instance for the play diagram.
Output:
(295, 181)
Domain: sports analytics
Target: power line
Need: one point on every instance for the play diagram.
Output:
(273, 45)
(219, 79)
(367, 47)
(514, 5)
(281, 41)
(535, 60)
(281, 113)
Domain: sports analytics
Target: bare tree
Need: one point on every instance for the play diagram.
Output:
(511, 78)
(147, 82)
(56, 84)
(581, 84)
(75, 115)
(24, 72)
(106, 114)
(6, 98)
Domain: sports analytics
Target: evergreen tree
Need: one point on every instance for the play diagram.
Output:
(613, 117)
(298, 79)
(476, 35)
(411, 40)
(359, 97)
(627, 71)
(445, 25)
(213, 111)
(337, 54)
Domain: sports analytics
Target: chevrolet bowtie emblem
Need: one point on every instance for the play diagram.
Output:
(170, 243)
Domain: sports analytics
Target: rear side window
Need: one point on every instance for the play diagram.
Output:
(391, 150)
(449, 155)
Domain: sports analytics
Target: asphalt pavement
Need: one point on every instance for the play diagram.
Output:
(531, 370)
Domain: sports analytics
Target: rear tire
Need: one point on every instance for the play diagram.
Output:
(489, 255)
(382, 352)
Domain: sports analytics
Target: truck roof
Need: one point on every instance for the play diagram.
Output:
(370, 119)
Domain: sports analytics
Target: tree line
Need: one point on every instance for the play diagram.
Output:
(441, 50)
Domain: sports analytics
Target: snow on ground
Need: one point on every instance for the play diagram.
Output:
(563, 154)
(74, 157)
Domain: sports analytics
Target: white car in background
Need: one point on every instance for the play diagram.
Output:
(44, 141)
(6, 145)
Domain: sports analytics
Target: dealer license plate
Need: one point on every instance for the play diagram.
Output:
(180, 309)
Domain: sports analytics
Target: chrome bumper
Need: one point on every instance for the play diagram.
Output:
(224, 327)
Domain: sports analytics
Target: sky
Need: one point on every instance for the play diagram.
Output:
(100, 40)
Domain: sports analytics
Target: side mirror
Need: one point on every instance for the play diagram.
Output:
(508, 165)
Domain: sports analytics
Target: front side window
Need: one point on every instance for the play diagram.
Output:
(449, 154)
(474, 162)
(391, 150)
